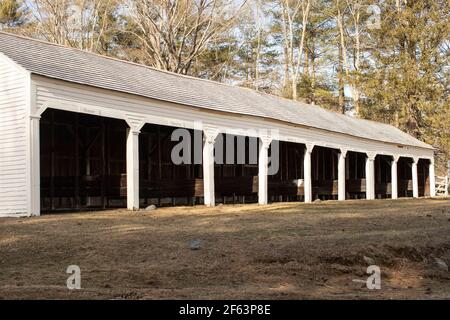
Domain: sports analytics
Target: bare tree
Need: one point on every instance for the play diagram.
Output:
(358, 24)
(343, 60)
(174, 33)
(349, 15)
(76, 23)
(291, 10)
(259, 26)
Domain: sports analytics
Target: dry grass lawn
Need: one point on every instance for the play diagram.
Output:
(281, 251)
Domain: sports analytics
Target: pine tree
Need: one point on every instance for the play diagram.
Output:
(11, 14)
(406, 75)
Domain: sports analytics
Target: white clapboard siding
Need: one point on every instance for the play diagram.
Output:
(78, 98)
(14, 163)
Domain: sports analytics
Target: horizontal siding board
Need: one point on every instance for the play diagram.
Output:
(12, 136)
(11, 164)
(12, 114)
(12, 172)
(12, 119)
(15, 185)
(13, 189)
(13, 125)
(10, 103)
(12, 93)
(13, 144)
(13, 150)
(14, 159)
(5, 198)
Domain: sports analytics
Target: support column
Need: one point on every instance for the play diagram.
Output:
(341, 174)
(132, 169)
(415, 181)
(394, 177)
(432, 178)
(35, 196)
(209, 137)
(370, 176)
(307, 172)
(263, 164)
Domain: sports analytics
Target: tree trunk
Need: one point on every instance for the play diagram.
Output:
(313, 76)
(341, 98)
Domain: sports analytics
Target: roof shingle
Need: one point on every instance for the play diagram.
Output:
(81, 67)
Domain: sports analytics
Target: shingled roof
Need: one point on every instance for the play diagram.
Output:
(77, 66)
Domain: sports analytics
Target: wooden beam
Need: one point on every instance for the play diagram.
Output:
(77, 162)
(52, 161)
(103, 151)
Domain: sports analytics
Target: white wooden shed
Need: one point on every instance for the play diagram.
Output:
(51, 97)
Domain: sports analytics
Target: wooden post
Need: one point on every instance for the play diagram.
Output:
(446, 186)
(341, 174)
(415, 180)
(394, 177)
(77, 161)
(209, 137)
(263, 164)
(35, 208)
(432, 178)
(103, 157)
(347, 167)
(132, 169)
(307, 173)
(370, 176)
(52, 163)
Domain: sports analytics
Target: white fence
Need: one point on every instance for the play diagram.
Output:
(442, 186)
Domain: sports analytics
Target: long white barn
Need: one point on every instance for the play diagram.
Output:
(79, 130)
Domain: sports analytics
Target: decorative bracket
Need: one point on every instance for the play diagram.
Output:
(135, 122)
(210, 135)
(309, 147)
(371, 155)
(266, 141)
(39, 111)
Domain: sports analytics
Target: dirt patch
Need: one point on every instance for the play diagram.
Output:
(280, 251)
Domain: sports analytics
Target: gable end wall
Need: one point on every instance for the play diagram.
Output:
(14, 140)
